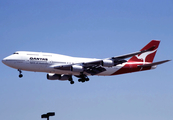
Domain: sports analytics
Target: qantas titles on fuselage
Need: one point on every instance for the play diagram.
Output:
(62, 67)
(43, 59)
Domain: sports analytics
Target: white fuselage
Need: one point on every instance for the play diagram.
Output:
(45, 62)
(62, 67)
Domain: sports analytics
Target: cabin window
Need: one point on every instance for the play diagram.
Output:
(47, 55)
(33, 54)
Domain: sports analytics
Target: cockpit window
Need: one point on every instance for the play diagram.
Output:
(15, 53)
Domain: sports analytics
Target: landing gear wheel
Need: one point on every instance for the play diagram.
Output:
(79, 80)
(71, 82)
(83, 80)
(87, 79)
(82, 77)
(20, 76)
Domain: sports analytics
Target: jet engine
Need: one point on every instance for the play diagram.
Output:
(111, 63)
(74, 68)
(77, 68)
(53, 76)
(107, 63)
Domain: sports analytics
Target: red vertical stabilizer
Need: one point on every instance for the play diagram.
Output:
(147, 56)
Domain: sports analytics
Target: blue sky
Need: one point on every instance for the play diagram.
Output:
(94, 29)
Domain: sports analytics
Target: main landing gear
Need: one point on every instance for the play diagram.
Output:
(83, 78)
(20, 73)
(71, 80)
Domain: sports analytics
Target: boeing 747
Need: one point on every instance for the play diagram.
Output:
(62, 67)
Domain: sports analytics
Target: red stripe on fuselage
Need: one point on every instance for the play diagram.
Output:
(131, 67)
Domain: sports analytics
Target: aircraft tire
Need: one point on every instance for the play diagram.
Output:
(87, 79)
(79, 80)
(83, 80)
(20, 76)
(71, 82)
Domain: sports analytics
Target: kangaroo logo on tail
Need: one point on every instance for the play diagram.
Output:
(144, 55)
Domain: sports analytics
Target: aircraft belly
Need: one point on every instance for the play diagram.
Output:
(36, 67)
(65, 72)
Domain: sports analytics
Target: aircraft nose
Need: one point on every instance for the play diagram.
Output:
(4, 60)
(10, 61)
(7, 60)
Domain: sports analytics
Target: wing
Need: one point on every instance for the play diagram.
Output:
(113, 61)
(97, 66)
(92, 68)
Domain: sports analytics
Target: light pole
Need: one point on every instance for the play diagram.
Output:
(48, 115)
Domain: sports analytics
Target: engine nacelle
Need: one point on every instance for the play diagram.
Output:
(53, 76)
(77, 68)
(107, 63)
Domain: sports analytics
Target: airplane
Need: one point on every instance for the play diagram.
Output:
(62, 67)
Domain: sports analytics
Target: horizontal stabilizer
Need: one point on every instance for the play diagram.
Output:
(153, 64)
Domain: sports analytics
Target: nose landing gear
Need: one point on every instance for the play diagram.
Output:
(20, 73)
